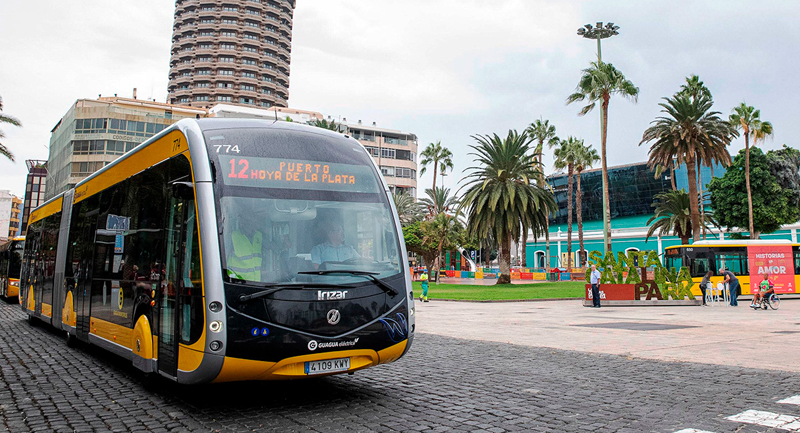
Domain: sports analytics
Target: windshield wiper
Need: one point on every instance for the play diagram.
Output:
(369, 275)
(278, 287)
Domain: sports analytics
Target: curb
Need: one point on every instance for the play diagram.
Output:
(506, 300)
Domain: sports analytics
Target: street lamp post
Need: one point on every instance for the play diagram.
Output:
(600, 32)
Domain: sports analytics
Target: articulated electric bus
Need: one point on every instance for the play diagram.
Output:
(227, 249)
(10, 266)
(749, 260)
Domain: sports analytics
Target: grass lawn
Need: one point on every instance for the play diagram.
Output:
(468, 292)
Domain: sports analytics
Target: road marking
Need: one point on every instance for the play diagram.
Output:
(693, 430)
(767, 419)
(795, 399)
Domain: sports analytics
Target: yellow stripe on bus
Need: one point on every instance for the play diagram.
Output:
(46, 210)
(166, 147)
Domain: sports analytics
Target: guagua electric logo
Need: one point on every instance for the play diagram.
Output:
(313, 345)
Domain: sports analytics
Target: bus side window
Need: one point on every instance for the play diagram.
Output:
(797, 262)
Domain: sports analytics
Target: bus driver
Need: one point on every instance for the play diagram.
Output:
(334, 249)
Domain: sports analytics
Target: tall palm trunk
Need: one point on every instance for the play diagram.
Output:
(672, 176)
(578, 197)
(435, 167)
(505, 259)
(702, 204)
(753, 234)
(524, 246)
(691, 169)
(570, 184)
(547, 244)
(606, 203)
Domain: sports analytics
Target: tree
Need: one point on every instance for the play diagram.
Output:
(566, 154)
(324, 124)
(439, 202)
(672, 214)
(771, 207)
(598, 83)
(688, 132)
(408, 210)
(444, 231)
(747, 119)
(543, 132)
(437, 155)
(587, 157)
(694, 88)
(784, 165)
(501, 195)
(5, 118)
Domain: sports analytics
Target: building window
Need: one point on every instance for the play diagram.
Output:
(224, 98)
(225, 72)
(248, 88)
(226, 59)
(201, 98)
(225, 85)
(228, 34)
(247, 74)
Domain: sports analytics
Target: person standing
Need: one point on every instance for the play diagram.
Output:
(594, 279)
(704, 284)
(733, 285)
(424, 278)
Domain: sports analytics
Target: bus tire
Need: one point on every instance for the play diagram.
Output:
(72, 341)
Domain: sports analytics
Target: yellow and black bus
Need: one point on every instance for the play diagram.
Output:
(749, 260)
(227, 249)
(10, 266)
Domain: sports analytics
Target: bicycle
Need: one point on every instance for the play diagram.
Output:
(771, 301)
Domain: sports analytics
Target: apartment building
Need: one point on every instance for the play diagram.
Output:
(232, 52)
(95, 132)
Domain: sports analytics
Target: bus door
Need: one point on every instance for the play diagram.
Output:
(83, 277)
(179, 212)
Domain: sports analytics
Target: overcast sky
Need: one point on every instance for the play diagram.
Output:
(442, 69)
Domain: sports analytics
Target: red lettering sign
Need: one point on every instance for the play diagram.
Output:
(777, 261)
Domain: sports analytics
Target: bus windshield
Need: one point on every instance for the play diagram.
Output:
(15, 260)
(291, 202)
(273, 240)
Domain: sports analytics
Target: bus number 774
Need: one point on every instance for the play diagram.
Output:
(228, 148)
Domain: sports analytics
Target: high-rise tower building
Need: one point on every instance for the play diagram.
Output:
(232, 52)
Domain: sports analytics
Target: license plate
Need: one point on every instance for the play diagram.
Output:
(327, 366)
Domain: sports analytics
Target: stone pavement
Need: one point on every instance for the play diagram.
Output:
(716, 335)
(443, 384)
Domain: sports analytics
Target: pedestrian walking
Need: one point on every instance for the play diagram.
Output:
(424, 279)
(594, 279)
(733, 285)
(704, 284)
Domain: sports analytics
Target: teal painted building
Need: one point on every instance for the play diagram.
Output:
(632, 190)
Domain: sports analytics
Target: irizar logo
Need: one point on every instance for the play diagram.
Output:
(331, 295)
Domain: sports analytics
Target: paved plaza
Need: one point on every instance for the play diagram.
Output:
(529, 366)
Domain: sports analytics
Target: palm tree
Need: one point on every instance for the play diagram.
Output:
(543, 132)
(598, 83)
(501, 195)
(444, 231)
(324, 124)
(566, 154)
(408, 210)
(673, 214)
(439, 202)
(747, 119)
(5, 118)
(694, 88)
(689, 132)
(587, 157)
(437, 155)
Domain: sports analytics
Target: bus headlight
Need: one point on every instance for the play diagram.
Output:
(14, 283)
(215, 326)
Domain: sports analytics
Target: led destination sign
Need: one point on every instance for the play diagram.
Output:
(297, 174)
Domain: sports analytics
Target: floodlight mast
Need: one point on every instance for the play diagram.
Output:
(600, 32)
